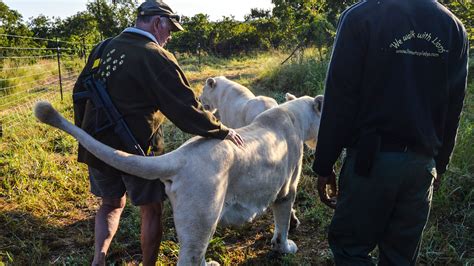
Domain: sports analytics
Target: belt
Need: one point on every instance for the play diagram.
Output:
(395, 146)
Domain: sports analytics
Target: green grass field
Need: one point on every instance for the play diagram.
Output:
(47, 211)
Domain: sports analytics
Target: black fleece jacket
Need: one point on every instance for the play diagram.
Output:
(399, 67)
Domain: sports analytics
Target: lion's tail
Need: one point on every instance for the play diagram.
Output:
(162, 167)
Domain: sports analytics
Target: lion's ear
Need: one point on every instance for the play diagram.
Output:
(318, 104)
(211, 82)
(289, 97)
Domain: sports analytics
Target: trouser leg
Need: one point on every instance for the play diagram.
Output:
(364, 207)
(402, 238)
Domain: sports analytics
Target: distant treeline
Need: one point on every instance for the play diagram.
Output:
(290, 24)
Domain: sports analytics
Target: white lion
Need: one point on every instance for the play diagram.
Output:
(210, 181)
(236, 105)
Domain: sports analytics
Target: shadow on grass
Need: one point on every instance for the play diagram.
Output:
(28, 240)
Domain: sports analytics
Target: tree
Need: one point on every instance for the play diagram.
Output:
(42, 27)
(304, 22)
(197, 32)
(333, 8)
(113, 18)
(316, 31)
(78, 29)
(256, 14)
(269, 32)
(464, 10)
(11, 23)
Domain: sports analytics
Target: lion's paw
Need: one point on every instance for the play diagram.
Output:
(291, 247)
(212, 263)
(288, 247)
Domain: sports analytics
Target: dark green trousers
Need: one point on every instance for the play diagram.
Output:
(388, 209)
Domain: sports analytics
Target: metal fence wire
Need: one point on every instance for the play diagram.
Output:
(35, 68)
(29, 73)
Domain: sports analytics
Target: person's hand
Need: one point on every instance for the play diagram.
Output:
(327, 190)
(235, 138)
(437, 182)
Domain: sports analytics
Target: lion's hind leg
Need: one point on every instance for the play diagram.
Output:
(196, 216)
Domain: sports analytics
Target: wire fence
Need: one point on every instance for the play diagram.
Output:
(29, 73)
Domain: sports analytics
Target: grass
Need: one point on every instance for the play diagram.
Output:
(449, 235)
(46, 209)
(21, 81)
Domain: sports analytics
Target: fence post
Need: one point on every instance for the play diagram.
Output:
(84, 51)
(199, 54)
(58, 53)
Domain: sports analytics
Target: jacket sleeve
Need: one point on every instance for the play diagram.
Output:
(179, 104)
(341, 94)
(457, 90)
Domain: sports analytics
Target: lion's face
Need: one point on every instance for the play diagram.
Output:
(312, 139)
(206, 95)
(314, 119)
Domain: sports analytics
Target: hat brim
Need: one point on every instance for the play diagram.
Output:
(175, 25)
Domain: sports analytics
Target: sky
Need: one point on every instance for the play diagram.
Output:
(214, 8)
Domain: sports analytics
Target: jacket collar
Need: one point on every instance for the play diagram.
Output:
(141, 32)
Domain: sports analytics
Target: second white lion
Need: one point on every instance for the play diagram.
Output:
(236, 105)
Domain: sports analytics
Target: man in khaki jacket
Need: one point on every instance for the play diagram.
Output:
(142, 78)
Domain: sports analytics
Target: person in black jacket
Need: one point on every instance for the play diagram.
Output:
(394, 93)
(142, 79)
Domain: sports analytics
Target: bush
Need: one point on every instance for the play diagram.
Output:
(303, 76)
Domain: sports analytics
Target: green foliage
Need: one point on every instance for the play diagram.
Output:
(334, 8)
(112, 18)
(448, 236)
(291, 23)
(302, 77)
(304, 21)
(227, 35)
(79, 28)
(11, 23)
(196, 36)
(464, 10)
(318, 32)
(268, 30)
(41, 26)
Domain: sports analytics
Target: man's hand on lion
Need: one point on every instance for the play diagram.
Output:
(327, 189)
(235, 138)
